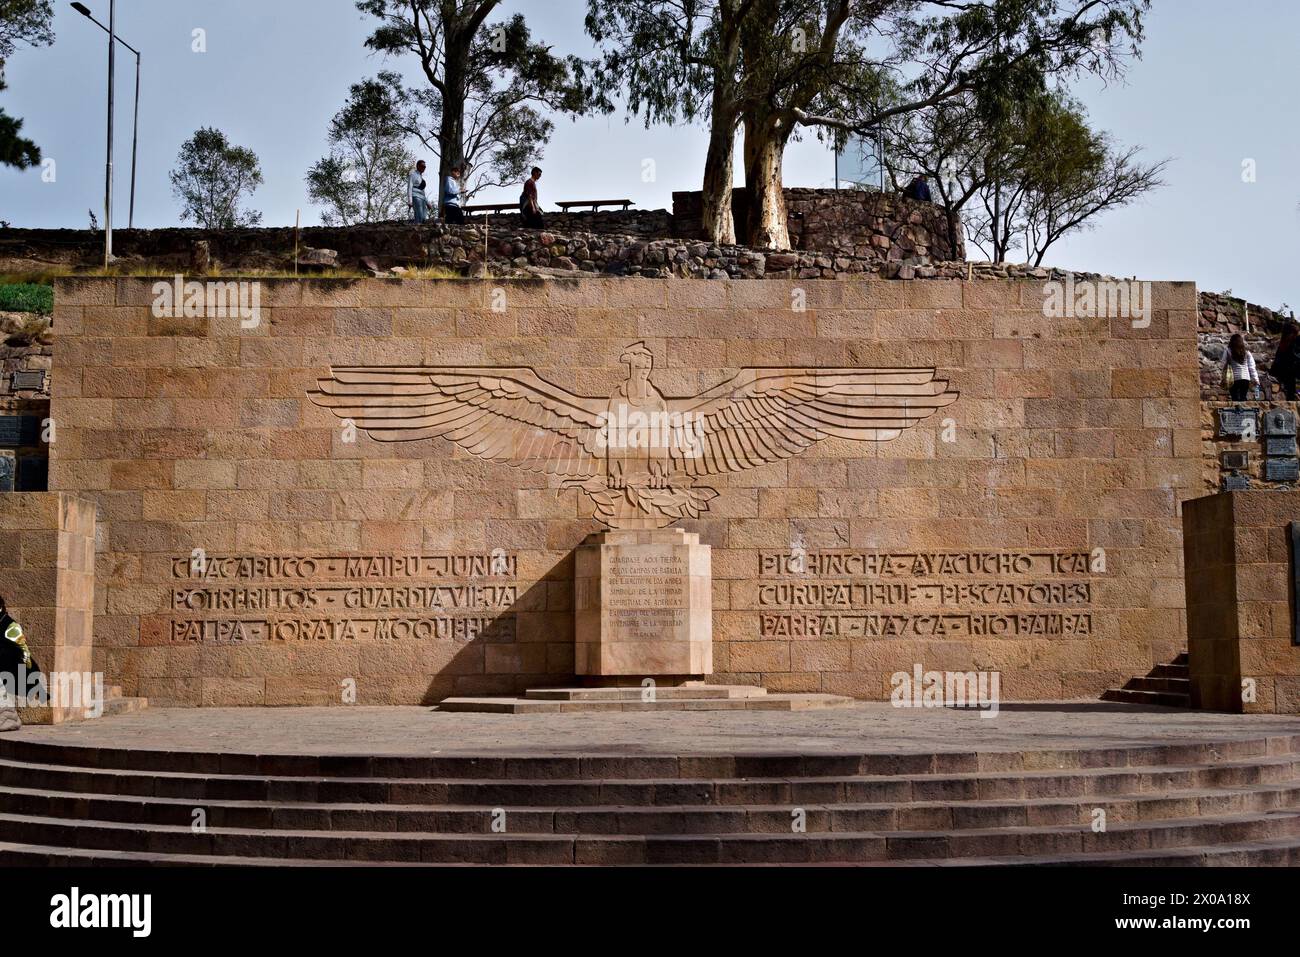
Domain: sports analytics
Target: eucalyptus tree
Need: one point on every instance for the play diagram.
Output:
(487, 89)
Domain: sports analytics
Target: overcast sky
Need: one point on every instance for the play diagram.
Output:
(1217, 85)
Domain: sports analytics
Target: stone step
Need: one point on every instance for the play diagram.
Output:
(1171, 671)
(115, 703)
(1166, 699)
(653, 849)
(40, 855)
(637, 766)
(644, 792)
(660, 692)
(694, 819)
(1276, 852)
(1181, 686)
(763, 702)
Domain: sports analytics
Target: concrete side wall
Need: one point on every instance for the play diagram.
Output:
(47, 575)
(1240, 611)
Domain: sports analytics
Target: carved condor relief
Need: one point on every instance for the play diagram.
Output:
(636, 454)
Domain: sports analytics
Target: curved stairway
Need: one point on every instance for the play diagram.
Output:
(1228, 803)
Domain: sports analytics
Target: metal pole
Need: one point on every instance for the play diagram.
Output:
(108, 162)
(135, 127)
(135, 136)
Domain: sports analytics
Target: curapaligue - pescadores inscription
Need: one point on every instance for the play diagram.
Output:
(862, 594)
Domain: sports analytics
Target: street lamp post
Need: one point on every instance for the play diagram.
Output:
(135, 131)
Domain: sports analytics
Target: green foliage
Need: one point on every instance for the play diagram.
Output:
(212, 178)
(363, 179)
(27, 297)
(25, 21)
(486, 85)
(845, 66)
(30, 22)
(16, 150)
(1021, 177)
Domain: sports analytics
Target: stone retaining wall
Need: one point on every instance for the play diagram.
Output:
(850, 222)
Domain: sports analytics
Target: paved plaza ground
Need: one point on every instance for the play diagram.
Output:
(864, 728)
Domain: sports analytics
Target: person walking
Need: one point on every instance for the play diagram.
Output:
(419, 200)
(452, 188)
(1239, 374)
(530, 209)
(1285, 361)
(17, 667)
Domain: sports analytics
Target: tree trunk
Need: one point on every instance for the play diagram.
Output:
(451, 131)
(764, 148)
(719, 172)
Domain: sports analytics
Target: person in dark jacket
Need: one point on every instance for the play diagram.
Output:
(16, 664)
(1286, 363)
(530, 209)
(918, 189)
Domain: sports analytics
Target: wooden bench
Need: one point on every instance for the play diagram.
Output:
(595, 204)
(491, 207)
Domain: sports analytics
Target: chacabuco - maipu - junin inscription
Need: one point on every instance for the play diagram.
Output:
(635, 454)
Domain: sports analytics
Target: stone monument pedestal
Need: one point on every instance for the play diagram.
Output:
(643, 635)
(643, 604)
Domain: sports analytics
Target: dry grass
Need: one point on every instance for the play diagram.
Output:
(26, 329)
(47, 276)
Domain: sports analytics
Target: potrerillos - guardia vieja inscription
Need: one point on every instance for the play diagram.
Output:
(337, 598)
(383, 489)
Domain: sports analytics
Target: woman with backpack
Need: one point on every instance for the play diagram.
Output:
(1239, 374)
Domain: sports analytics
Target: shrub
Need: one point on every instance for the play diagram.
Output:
(26, 297)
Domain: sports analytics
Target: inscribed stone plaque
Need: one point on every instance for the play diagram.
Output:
(1282, 470)
(1279, 422)
(643, 604)
(1236, 483)
(1237, 421)
(27, 381)
(1281, 445)
(1236, 460)
(19, 430)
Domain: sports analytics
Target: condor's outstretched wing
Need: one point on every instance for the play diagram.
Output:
(764, 415)
(509, 415)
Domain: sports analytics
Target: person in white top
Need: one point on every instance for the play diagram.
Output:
(1239, 373)
(415, 193)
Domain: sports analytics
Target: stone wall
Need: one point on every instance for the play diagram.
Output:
(25, 349)
(255, 549)
(47, 575)
(1223, 316)
(1240, 620)
(1215, 444)
(850, 222)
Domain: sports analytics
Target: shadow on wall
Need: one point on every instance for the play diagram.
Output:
(529, 645)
